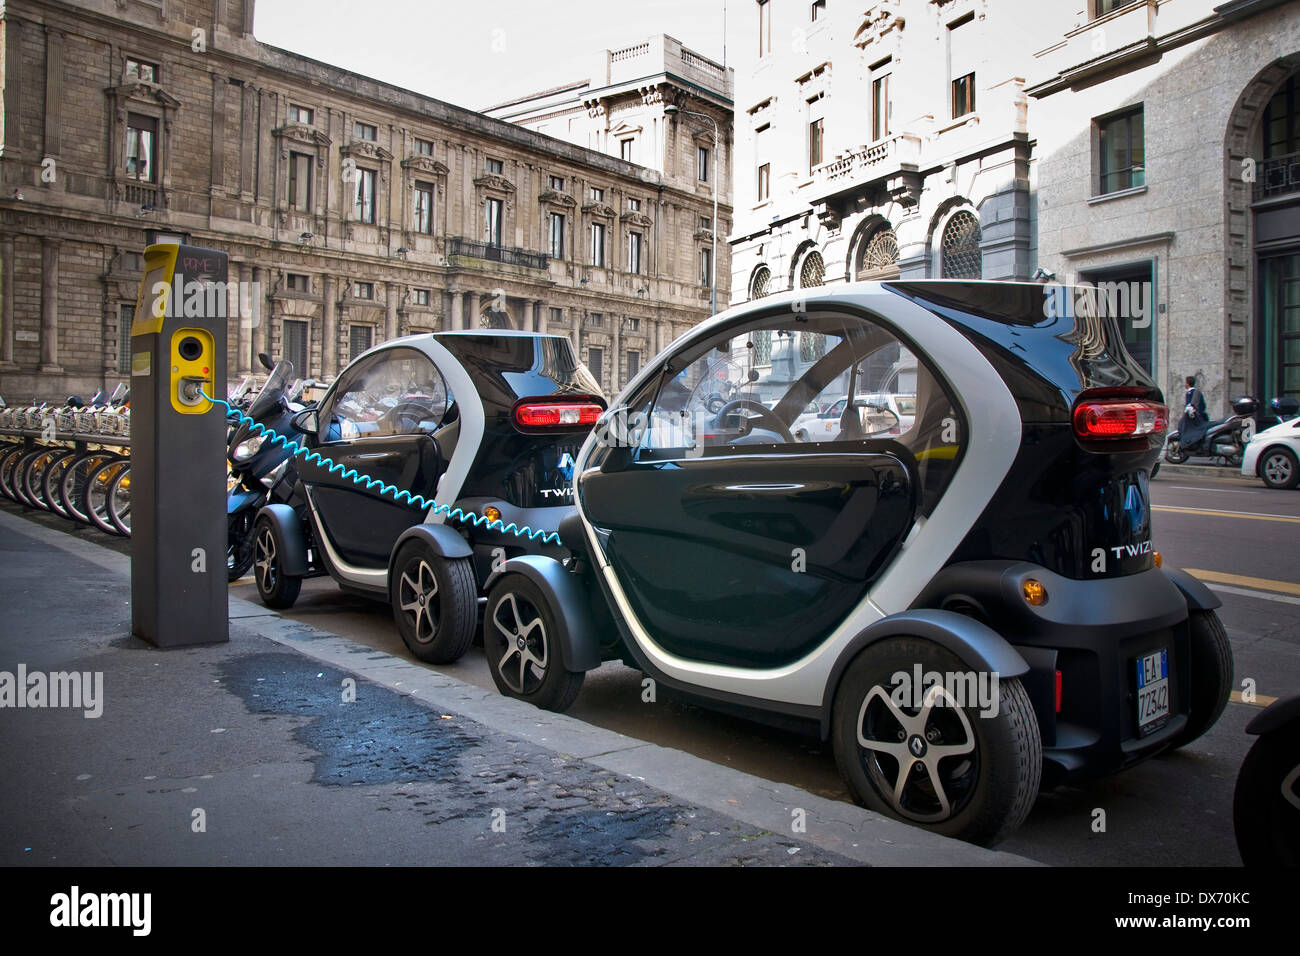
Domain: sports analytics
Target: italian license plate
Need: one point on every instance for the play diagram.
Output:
(1153, 691)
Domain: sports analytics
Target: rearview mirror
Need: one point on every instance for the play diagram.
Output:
(307, 421)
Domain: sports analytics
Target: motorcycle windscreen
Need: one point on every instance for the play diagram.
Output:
(749, 560)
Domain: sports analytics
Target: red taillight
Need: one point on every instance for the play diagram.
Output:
(555, 414)
(1058, 692)
(1119, 419)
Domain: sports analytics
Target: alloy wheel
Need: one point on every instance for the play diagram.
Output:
(267, 573)
(417, 596)
(1278, 468)
(523, 660)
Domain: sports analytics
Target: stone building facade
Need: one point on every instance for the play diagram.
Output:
(352, 211)
(1168, 155)
(879, 140)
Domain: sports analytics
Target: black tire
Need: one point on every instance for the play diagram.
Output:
(98, 486)
(239, 544)
(1212, 669)
(34, 476)
(435, 603)
(523, 654)
(19, 479)
(1266, 821)
(1174, 453)
(53, 480)
(8, 459)
(1278, 468)
(984, 789)
(119, 502)
(276, 589)
(72, 489)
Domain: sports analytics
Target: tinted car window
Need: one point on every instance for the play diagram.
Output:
(395, 392)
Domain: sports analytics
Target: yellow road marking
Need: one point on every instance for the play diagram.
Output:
(1227, 514)
(1261, 700)
(1260, 584)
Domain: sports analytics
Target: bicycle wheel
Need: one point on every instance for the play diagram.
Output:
(72, 490)
(8, 459)
(98, 487)
(52, 482)
(34, 479)
(20, 475)
(119, 502)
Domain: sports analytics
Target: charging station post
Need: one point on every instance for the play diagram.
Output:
(178, 449)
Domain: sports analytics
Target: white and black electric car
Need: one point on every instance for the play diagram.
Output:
(485, 423)
(966, 603)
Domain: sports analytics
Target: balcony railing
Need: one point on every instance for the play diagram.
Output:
(457, 246)
(868, 163)
(1278, 176)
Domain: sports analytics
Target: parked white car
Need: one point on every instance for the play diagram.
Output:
(884, 415)
(1273, 455)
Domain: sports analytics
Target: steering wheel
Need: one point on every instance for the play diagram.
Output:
(765, 414)
(409, 415)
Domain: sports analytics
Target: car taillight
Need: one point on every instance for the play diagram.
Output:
(1102, 418)
(553, 414)
(1058, 692)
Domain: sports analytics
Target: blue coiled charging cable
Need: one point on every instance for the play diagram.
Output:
(372, 484)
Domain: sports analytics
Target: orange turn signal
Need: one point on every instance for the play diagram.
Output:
(492, 513)
(1034, 592)
(1158, 558)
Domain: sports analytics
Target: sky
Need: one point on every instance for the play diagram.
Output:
(480, 53)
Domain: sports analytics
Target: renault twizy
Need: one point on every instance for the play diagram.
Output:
(423, 461)
(964, 600)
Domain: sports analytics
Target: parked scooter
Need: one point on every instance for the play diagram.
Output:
(1223, 439)
(257, 463)
(1266, 802)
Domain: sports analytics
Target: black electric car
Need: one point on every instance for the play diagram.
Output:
(430, 459)
(964, 599)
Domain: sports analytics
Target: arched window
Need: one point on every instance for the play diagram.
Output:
(761, 285)
(879, 256)
(813, 271)
(960, 248)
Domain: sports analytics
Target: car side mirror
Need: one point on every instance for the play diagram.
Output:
(307, 421)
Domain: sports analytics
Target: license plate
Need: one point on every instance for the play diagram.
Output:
(1153, 691)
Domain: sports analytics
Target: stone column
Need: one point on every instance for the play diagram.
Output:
(261, 331)
(535, 307)
(390, 320)
(472, 309)
(50, 304)
(456, 318)
(616, 356)
(329, 344)
(7, 303)
(247, 310)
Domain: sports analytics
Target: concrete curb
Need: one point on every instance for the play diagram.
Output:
(1220, 472)
(842, 828)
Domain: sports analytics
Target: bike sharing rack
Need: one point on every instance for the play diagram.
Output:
(178, 464)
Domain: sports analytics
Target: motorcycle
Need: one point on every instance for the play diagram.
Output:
(1266, 801)
(257, 463)
(1223, 439)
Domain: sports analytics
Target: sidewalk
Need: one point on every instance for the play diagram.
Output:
(247, 753)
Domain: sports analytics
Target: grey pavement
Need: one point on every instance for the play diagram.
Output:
(248, 753)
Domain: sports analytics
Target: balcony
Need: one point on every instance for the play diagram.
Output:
(471, 249)
(888, 167)
(1279, 176)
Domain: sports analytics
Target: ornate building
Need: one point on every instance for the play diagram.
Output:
(352, 211)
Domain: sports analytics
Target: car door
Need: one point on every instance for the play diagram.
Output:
(736, 543)
(377, 426)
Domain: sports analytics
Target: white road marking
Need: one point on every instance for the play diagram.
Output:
(1229, 589)
(1230, 491)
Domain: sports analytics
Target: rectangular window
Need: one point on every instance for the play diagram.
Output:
(597, 194)
(557, 183)
(363, 290)
(764, 181)
(420, 296)
(125, 316)
(493, 212)
(597, 244)
(140, 70)
(495, 166)
(141, 147)
(880, 106)
(963, 95)
(1126, 293)
(634, 205)
(963, 54)
(366, 131)
(625, 149)
(706, 266)
(762, 136)
(634, 253)
(764, 27)
(359, 339)
(557, 235)
(424, 208)
(300, 182)
(816, 133)
(557, 316)
(633, 364)
(1121, 152)
(633, 324)
(423, 147)
(293, 336)
(363, 208)
(818, 10)
(596, 319)
(596, 363)
(297, 282)
(702, 163)
(301, 114)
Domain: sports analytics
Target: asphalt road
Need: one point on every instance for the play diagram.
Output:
(1173, 810)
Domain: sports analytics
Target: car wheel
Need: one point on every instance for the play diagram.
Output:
(1174, 453)
(1211, 674)
(1266, 801)
(520, 643)
(435, 603)
(1279, 469)
(933, 760)
(239, 545)
(276, 589)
